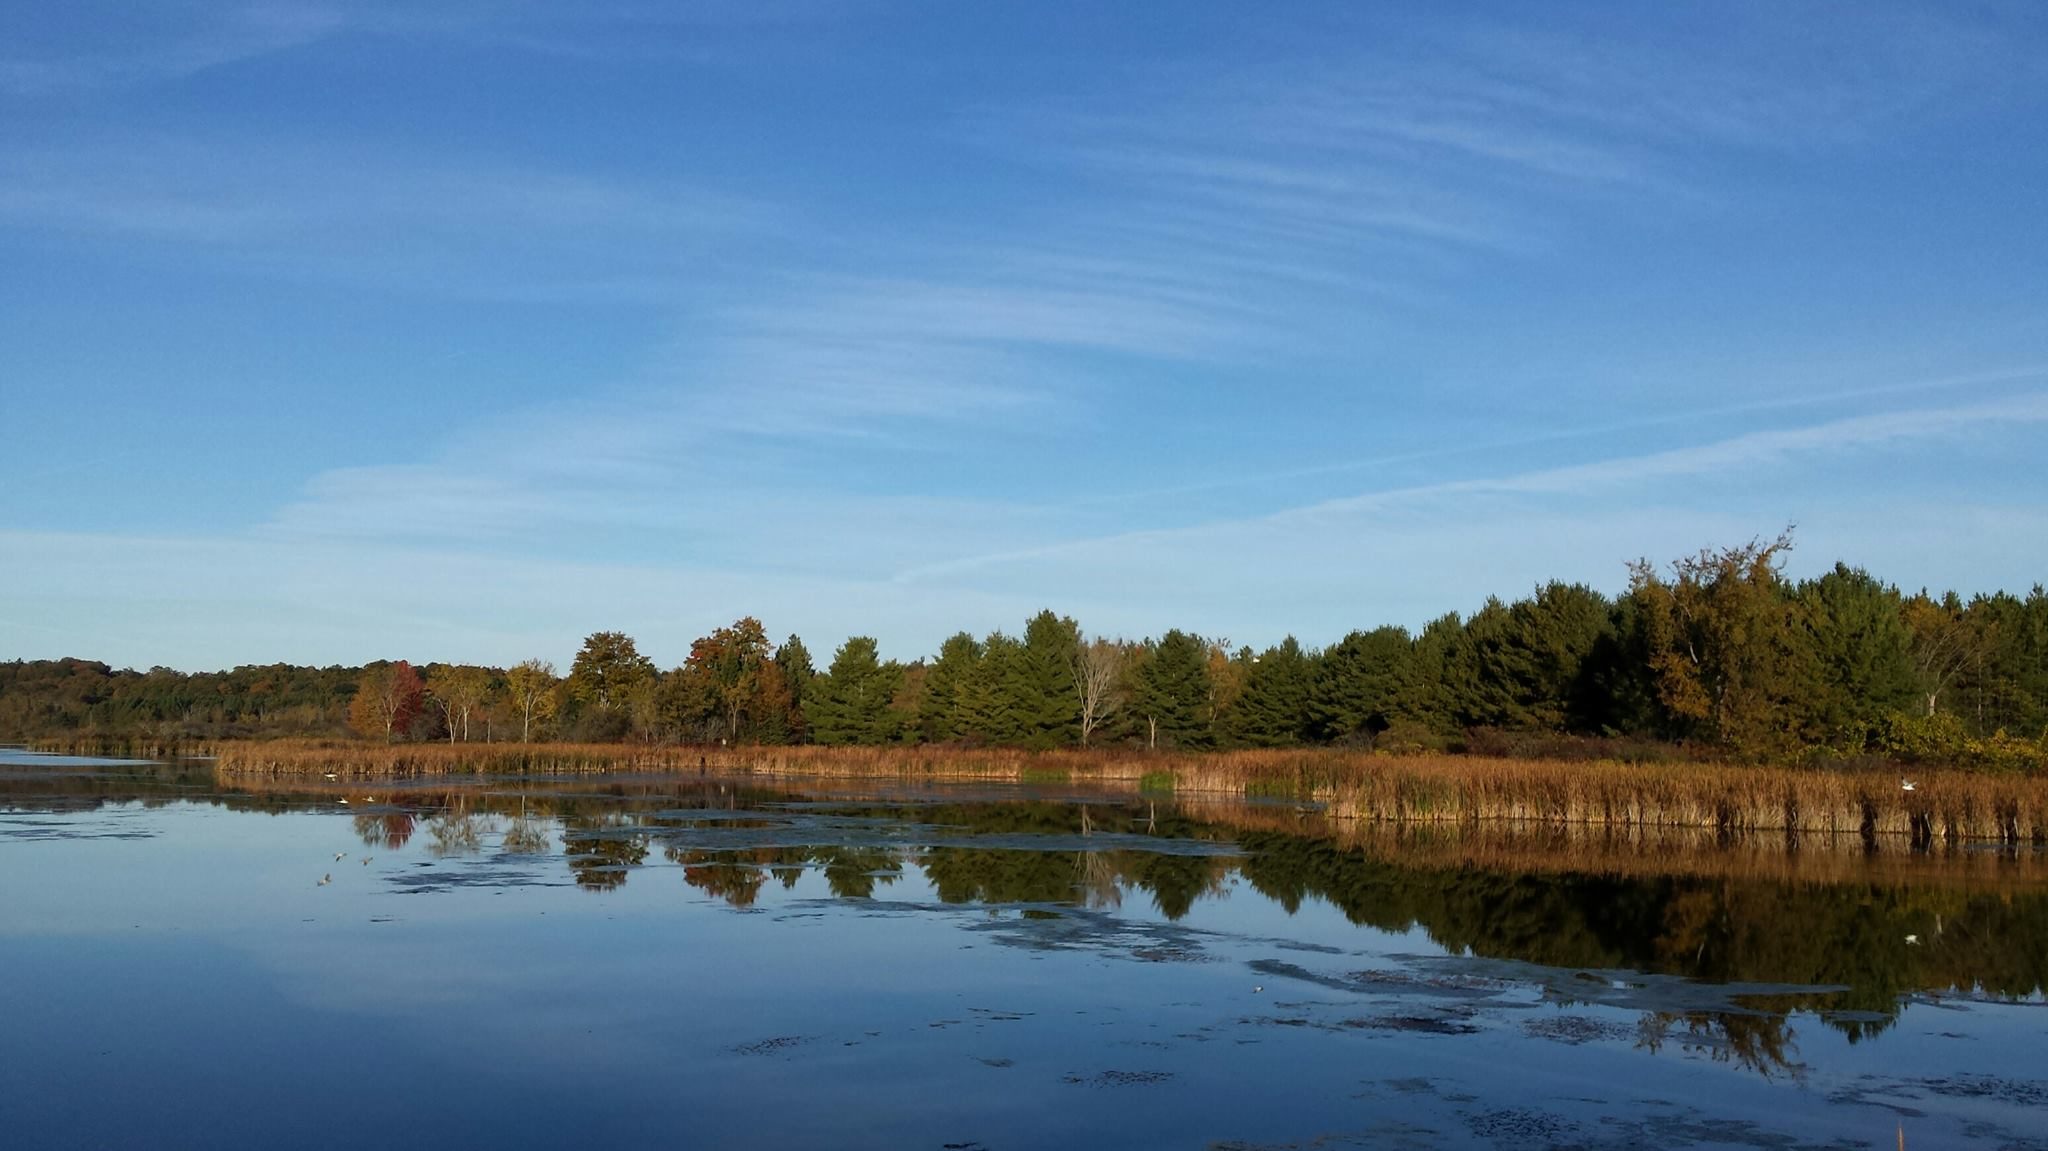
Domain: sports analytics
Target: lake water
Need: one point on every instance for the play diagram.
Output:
(663, 962)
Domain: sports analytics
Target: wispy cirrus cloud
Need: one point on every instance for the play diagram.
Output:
(215, 36)
(1754, 454)
(1399, 164)
(142, 45)
(396, 220)
(2024, 374)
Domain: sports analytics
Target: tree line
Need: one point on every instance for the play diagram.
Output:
(1718, 649)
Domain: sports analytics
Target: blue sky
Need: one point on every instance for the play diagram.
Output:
(458, 331)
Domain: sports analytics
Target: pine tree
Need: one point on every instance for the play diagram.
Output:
(1440, 694)
(943, 712)
(851, 702)
(1040, 683)
(989, 709)
(1171, 704)
(794, 661)
(1529, 658)
(1857, 629)
(1274, 708)
(1362, 680)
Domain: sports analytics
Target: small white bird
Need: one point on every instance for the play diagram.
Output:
(366, 861)
(1912, 941)
(340, 855)
(1905, 785)
(1259, 988)
(330, 775)
(324, 881)
(344, 801)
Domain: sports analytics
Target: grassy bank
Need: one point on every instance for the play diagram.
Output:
(1723, 800)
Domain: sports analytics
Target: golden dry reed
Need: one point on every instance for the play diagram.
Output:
(1726, 800)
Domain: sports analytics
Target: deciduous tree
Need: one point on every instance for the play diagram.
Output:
(1098, 681)
(607, 671)
(531, 686)
(388, 698)
(458, 692)
(1724, 644)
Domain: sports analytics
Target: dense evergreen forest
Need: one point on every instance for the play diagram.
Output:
(1718, 651)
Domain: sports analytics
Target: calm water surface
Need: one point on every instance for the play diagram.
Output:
(653, 962)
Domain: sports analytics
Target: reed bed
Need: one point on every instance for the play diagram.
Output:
(1638, 852)
(1728, 799)
(352, 760)
(1724, 801)
(123, 746)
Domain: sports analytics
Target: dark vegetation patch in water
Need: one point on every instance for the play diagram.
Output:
(1387, 1135)
(1070, 929)
(1691, 1128)
(1119, 1079)
(1577, 1029)
(1889, 1092)
(1521, 1127)
(428, 880)
(776, 1045)
(1416, 1024)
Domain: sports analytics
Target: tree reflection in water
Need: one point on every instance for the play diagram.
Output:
(390, 830)
(602, 847)
(456, 832)
(855, 872)
(738, 877)
(1759, 1043)
(1885, 926)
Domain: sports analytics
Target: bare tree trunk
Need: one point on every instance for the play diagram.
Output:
(1097, 664)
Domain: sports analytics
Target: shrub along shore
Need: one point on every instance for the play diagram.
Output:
(1727, 800)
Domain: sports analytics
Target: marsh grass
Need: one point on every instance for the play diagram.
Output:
(1723, 800)
(123, 747)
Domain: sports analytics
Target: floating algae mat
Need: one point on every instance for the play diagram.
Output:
(739, 963)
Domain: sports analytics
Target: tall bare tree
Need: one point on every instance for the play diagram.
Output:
(1098, 676)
